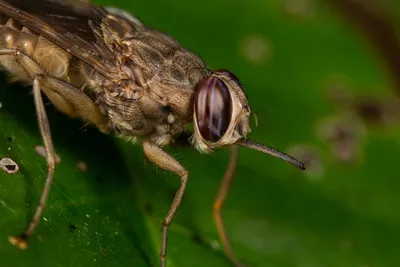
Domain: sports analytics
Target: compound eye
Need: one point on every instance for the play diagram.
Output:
(213, 108)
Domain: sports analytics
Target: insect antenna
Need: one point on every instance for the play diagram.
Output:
(271, 151)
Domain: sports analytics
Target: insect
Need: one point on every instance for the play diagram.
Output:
(105, 67)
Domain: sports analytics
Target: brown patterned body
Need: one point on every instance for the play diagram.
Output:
(149, 89)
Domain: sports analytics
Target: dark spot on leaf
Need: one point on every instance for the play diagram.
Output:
(148, 208)
(10, 139)
(23, 236)
(72, 228)
(197, 239)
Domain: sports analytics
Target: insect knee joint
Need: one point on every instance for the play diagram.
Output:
(39, 76)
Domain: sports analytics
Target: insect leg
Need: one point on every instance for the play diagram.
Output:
(163, 160)
(219, 202)
(40, 79)
(21, 240)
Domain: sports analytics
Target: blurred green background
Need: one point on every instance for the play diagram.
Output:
(321, 91)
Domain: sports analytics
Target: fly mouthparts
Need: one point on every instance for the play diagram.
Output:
(271, 151)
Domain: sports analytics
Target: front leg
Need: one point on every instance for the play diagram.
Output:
(68, 99)
(21, 240)
(165, 161)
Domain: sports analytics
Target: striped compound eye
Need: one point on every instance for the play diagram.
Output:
(213, 108)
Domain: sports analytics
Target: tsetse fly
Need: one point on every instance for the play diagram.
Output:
(105, 67)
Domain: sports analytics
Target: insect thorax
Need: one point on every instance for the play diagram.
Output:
(157, 102)
(155, 98)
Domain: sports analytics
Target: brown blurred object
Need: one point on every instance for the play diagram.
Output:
(375, 110)
(344, 135)
(376, 20)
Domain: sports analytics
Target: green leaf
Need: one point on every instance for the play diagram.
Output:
(275, 215)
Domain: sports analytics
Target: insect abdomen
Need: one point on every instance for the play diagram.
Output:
(51, 57)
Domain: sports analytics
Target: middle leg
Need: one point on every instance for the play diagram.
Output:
(165, 161)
